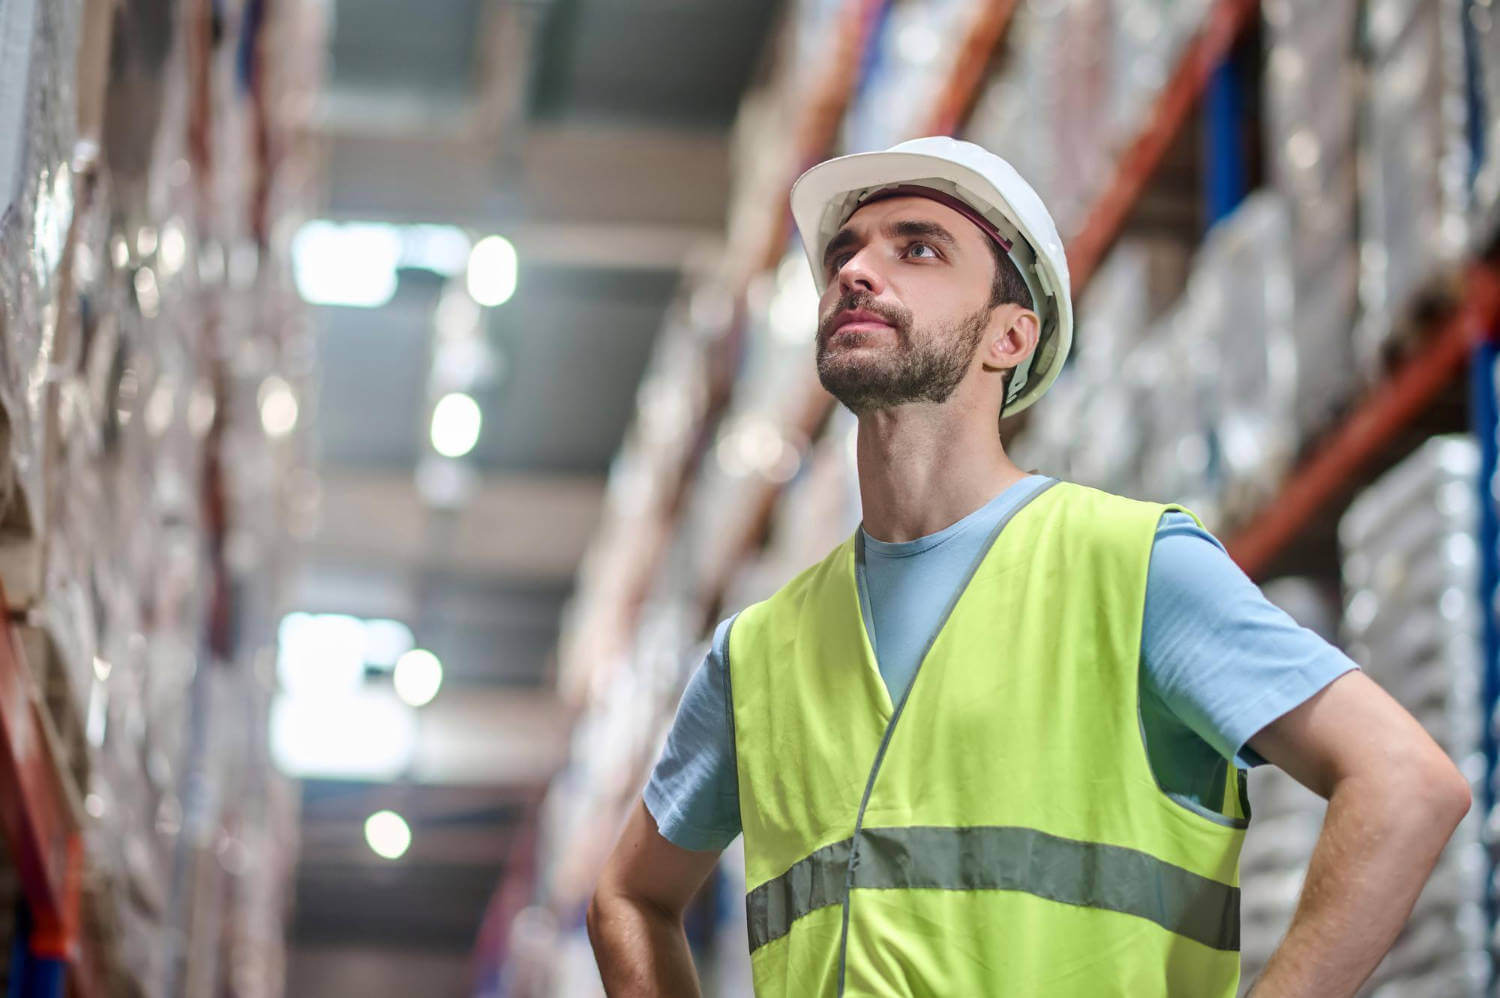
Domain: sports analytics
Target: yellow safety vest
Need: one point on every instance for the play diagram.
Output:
(999, 831)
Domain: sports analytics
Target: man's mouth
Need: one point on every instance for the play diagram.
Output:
(859, 321)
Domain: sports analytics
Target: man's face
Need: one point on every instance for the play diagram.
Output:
(906, 304)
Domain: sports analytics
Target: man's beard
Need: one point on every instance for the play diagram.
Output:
(924, 368)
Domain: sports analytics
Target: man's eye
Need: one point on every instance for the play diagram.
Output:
(914, 247)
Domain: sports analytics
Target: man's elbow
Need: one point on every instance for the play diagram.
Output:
(593, 919)
(1434, 792)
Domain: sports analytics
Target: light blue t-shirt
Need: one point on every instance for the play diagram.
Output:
(1218, 663)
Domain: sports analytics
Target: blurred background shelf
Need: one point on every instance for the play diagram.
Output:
(42, 816)
(1376, 434)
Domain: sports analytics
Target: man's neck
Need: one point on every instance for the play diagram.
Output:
(924, 466)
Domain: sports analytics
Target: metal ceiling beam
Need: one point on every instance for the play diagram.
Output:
(483, 117)
(594, 174)
(528, 527)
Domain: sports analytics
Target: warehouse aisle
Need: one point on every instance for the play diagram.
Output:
(394, 396)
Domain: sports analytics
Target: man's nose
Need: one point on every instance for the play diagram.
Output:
(857, 274)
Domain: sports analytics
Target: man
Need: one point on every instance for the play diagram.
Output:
(992, 744)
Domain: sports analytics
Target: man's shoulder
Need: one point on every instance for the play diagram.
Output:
(1093, 512)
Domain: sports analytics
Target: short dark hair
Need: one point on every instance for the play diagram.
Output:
(1008, 287)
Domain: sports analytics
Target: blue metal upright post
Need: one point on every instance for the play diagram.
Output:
(1484, 414)
(1226, 172)
(1485, 420)
(32, 976)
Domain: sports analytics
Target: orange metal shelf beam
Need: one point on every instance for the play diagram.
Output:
(39, 823)
(815, 132)
(1388, 408)
(818, 126)
(1225, 21)
(961, 88)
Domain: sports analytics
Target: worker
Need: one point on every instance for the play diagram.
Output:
(995, 742)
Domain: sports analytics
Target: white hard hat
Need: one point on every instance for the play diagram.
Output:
(825, 196)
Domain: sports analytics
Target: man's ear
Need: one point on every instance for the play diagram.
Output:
(1012, 337)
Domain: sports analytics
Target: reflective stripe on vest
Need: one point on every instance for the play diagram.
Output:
(1090, 874)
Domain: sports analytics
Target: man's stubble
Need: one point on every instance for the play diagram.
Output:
(925, 365)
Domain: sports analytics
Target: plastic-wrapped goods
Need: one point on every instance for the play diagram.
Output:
(809, 26)
(38, 41)
(1146, 39)
(1202, 408)
(113, 307)
(1311, 50)
(1412, 620)
(1413, 164)
(1050, 445)
(1086, 432)
(820, 508)
(780, 335)
(1481, 22)
(1175, 371)
(1112, 453)
(671, 404)
(1310, 146)
(1074, 88)
(912, 57)
(1046, 109)
(1241, 288)
(1133, 285)
(761, 438)
(764, 144)
(1091, 430)
(1286, 821)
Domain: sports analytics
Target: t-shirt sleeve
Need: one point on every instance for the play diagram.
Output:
(693, 792)
(1223, 658)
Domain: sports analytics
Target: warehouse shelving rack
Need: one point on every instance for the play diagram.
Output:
(1357, 443)
(1360, 442)
(1363, 438)
(65, 942)
(816, 131)
(40, 816)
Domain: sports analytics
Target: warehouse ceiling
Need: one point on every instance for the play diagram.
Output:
(592, 135)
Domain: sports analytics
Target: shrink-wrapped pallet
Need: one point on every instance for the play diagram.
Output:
(1413, 168)
(1412, 621)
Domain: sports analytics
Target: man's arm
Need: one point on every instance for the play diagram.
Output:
(635, 917)
(1394, 798)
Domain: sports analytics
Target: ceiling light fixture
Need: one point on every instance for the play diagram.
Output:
(388, 834)
(351, 264)
(278, 406)
(492, 271)
(456, 421)
(418, 677)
